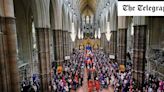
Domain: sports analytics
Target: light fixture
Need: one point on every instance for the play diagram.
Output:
(82, 35)
(99, 33)
(108, 3)
(69, 4)
(73, 37)
(74, 15)
(73, 34)
(34, 46)
(132, 29)
(108, 34)
(95, 34)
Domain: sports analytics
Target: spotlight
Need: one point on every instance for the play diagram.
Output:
(108, 3)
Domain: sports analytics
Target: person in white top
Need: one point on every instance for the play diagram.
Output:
(54, 87)
(66, 88)
(150, 89)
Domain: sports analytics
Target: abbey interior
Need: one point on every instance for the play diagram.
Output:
(78, 46)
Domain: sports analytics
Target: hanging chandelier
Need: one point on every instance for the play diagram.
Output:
(79, 34)
(73, 34)
(95, 34)
(99, 33)
(108, 34)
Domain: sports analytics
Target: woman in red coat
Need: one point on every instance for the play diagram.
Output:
(97, 84)
(90, 86)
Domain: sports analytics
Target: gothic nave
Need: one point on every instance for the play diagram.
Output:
(78, 46)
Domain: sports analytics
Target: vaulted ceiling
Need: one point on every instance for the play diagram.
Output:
(88, 7)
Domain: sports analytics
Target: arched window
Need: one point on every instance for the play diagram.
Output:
(87, 19)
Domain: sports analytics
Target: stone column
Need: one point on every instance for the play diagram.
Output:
(113, 27)
(4, 71)
(106, 44)
(51, 46)
(103, 35)
(8, 55)
(139, 50)
(70, 44)
(102, 41)
(61, 45)
(58, 45)
(121, 46)
(121, 40)
(67, 43)
(58, 48)
(113, 44)
(64, 44)
(42, 35)
(55, 39)
(65, 49)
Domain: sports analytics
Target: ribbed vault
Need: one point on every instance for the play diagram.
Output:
(88, 7)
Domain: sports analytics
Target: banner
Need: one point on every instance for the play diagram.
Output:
(140, 8)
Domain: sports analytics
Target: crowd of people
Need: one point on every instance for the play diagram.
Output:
(71, 76)
(153, 84)
(102, 74)
(106, 74)
(30, 86)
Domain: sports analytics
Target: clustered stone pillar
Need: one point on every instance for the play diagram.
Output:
(102, 41)
(67, 43)
(58, 44)
(106, 44)
(55, 42)
(113, 44)
(42, 35)
(71, 44)
(139, 53)
(121, 46)
(64, 44)
(9, 80)
(61, 46)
